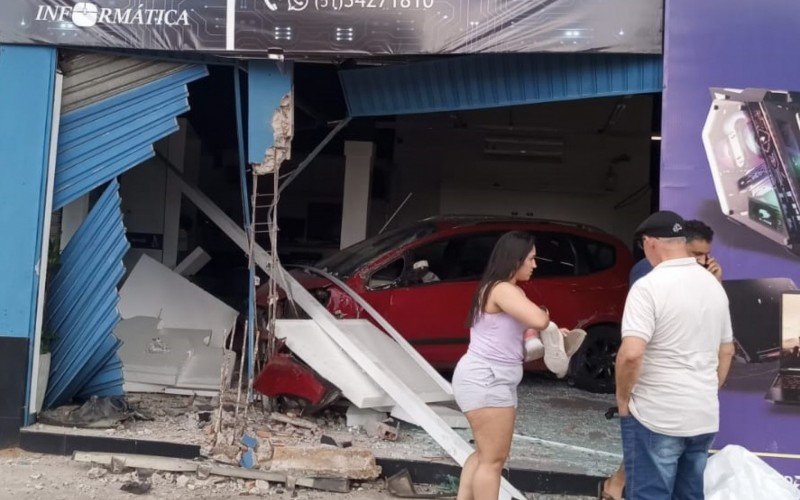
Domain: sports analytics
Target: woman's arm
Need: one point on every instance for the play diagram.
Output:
(512, 300)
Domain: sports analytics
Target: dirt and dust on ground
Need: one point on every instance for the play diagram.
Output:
(29, 476)
(571, 434)
(565, 422)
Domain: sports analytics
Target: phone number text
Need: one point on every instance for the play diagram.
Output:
(300, 5)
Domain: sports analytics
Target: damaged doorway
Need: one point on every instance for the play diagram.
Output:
(127, 245)
(581, 173)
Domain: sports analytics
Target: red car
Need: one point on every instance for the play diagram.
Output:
(421, 278)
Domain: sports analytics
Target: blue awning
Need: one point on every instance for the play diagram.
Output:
(496, 80)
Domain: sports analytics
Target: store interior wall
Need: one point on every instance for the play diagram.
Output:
(600, 173)
(604, 159)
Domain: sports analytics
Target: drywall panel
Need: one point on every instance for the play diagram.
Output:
(154, 290)
(309, 342)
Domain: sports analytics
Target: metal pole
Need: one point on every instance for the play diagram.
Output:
(395, 213)
(249, 228)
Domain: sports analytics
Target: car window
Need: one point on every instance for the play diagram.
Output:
(555, 256)
(594, 256)
(454, 259)
(388, 275)
(345, 262)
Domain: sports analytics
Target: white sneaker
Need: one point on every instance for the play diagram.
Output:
(573, 341)
(555, 357)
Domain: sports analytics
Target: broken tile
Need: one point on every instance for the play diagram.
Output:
(249, 460)
(249, 441)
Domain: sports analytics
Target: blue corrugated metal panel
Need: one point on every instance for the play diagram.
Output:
(495, 80)
(102, 140)
(82, 303)
(107, 382)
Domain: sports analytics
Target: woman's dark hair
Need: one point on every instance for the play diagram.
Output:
(507, 256)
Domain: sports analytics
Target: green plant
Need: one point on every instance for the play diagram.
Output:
(53, 264)
(53, 256)
(46, 342)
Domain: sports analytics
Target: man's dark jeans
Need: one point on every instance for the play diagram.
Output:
(662, 467)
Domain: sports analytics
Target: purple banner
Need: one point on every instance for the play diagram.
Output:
(731, 158)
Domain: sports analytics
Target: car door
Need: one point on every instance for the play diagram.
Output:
(555, 281)
(431, 312)
(381, 283)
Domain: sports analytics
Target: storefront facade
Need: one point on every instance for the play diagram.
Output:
(395, 58)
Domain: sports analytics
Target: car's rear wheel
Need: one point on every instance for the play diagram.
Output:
(592, 367)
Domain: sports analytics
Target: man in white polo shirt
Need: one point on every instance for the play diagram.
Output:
(676, 351)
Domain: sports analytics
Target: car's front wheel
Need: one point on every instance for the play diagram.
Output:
(592, 367)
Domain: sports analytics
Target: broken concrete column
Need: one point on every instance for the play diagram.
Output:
(270, 112)
(319, 462)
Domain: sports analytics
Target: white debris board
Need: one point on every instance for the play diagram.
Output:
(203, 368)
(145, 356)
(310, 343)
(156, 291)
(193, 262)
(161, 360)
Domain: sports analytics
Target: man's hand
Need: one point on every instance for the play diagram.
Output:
(714, 268)
(622, 408)
(629, 362)
(726, 352)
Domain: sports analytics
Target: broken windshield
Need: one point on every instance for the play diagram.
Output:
(345, 262)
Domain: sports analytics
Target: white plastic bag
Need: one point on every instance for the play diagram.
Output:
(734, 473)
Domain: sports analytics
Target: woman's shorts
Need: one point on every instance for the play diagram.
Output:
(479, 383)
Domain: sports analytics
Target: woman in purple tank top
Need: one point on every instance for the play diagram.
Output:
(486, 378)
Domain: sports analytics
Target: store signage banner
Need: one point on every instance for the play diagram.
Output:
(731, 158)
(340, 27)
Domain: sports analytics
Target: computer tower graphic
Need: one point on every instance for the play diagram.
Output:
(752, 140)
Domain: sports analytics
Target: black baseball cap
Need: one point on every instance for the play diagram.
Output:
(663, 224)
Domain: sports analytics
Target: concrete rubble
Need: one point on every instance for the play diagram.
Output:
(28, 476)
(549, 410)
(31, 476)
(326, 462)
(274, 451)
(552, 412)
